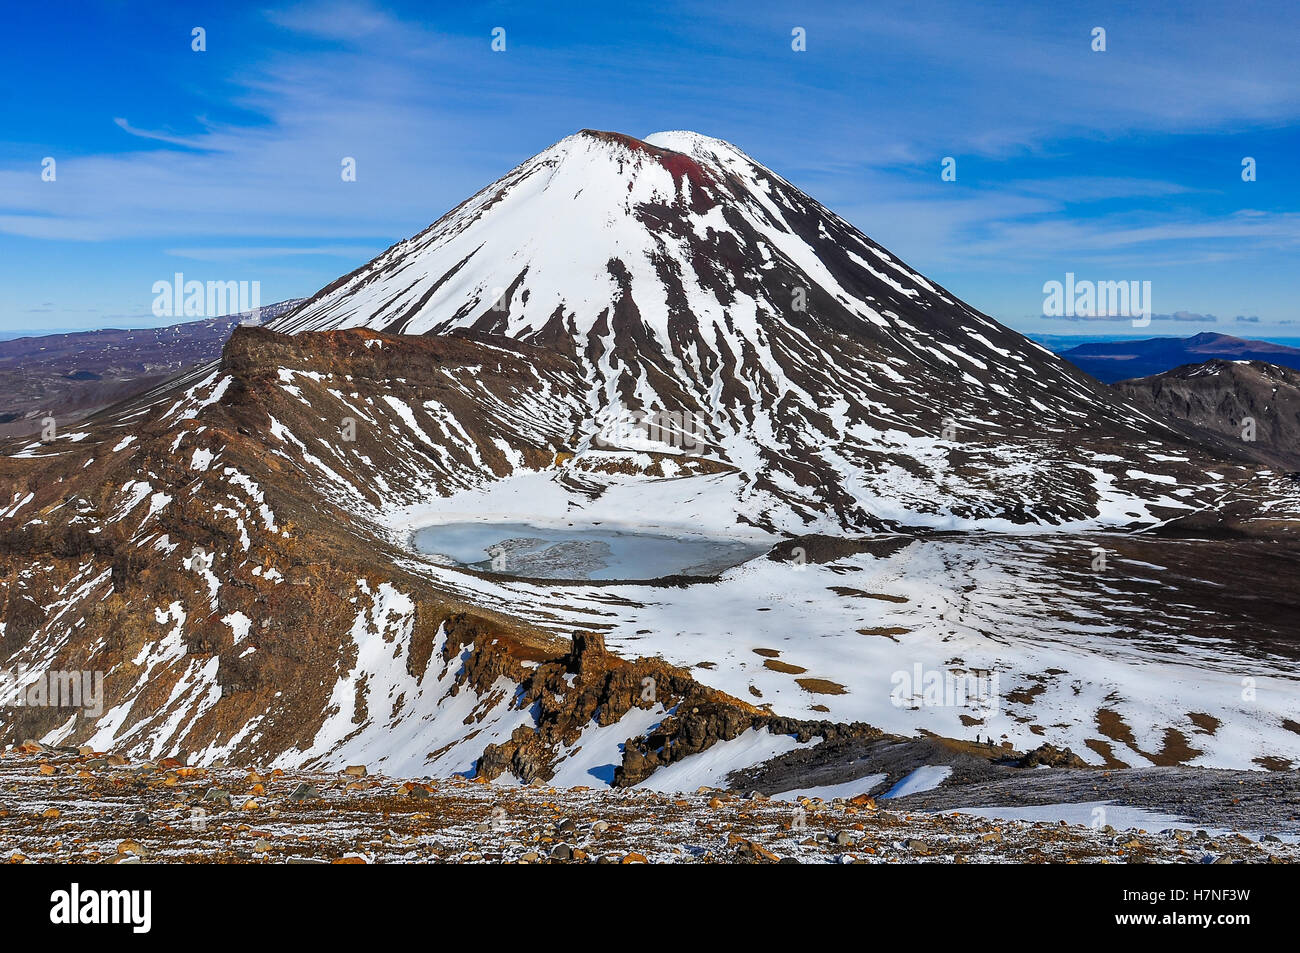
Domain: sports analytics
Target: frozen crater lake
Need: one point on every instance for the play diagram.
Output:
(589, 552)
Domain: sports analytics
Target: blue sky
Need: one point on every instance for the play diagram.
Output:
(224, 164)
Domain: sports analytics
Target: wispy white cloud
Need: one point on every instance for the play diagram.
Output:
(336, 20)
(189, 142)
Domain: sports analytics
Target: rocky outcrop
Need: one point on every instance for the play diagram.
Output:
(1050, 756)
(587, 685)
(1254, 404)
(694, 728)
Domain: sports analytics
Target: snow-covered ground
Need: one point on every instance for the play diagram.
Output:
(1100, 814)
(828, 792)
(982, 634)
(925, 778)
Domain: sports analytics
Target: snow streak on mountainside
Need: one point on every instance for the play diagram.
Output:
(683, 277)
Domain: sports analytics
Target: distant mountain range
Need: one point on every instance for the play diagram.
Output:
(1112, 361)
(74, 374)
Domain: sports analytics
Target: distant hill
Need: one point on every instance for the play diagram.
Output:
(1220, 396)
(1112, 361)
(73, 374)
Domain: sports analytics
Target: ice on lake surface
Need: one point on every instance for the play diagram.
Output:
(590, 552)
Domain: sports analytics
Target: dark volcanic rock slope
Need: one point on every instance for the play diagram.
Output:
(215, 550)
(1252, 402)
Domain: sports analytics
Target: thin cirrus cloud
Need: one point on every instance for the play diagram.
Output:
(183, 141)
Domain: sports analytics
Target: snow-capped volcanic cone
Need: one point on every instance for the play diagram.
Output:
(845, 389)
